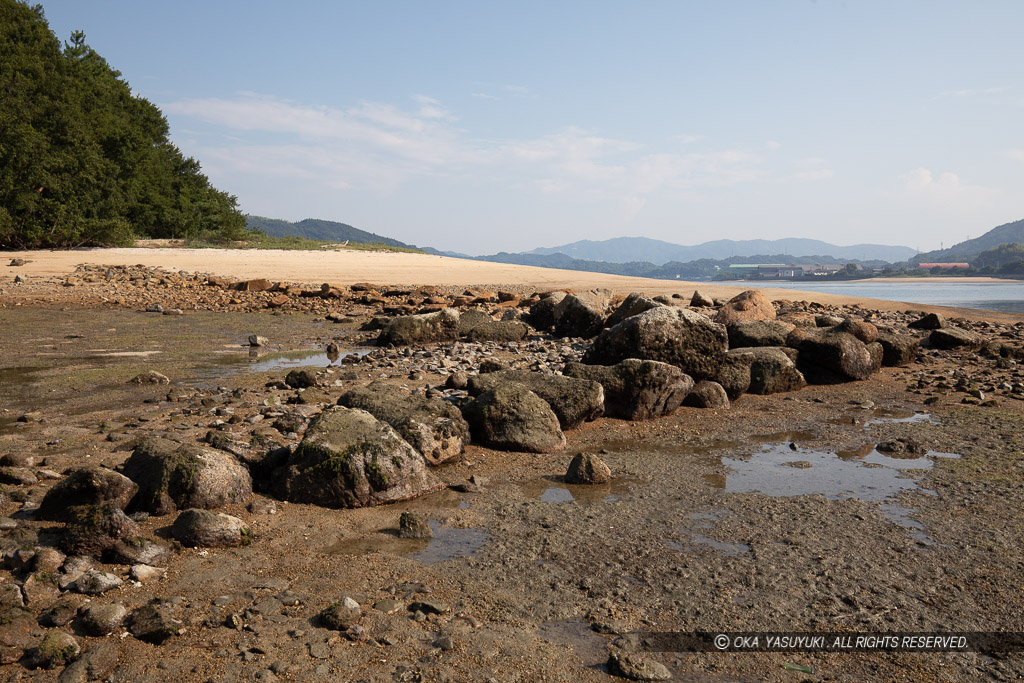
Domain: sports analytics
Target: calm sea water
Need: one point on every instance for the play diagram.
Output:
(992, 296)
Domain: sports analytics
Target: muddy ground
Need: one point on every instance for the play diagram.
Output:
(774, 514)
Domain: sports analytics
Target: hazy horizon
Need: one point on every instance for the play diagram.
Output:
(493, 127)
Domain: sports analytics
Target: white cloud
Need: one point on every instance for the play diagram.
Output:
(485, 96)
(686, 139)
(972, 92)
(947, 190)
(773, 145)
(1016, 154)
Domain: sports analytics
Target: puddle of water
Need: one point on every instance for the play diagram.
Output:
(552, 489)
(787, 437)
(872, 477)
(887, 415)
(318, 358)
(590, 647)
(447, 543)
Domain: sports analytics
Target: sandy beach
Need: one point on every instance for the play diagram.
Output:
(348, 267)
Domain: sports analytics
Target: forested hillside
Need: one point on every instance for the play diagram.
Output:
(83, 161)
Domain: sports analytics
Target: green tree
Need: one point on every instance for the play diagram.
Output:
(82, 159)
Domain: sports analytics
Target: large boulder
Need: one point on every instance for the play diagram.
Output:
(94, 529)
(898, 349)
(347, 459)
(707, 394)
(772, 371)
(861, 329)
(678, 336)
(542, 313)
(748, 305)
(511, 417)
(581, 315)
(758, 333)
(499, 331)
(86, 486)
(441, 325)
(830, 357)
(173, 476)
(433, 427)
(636, 389)
(955, 338)
(573, 400)
(208, 529)
(734, 374)
(634, 304)
(929, 321)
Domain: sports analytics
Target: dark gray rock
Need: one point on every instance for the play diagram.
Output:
(707, 394)
(773, 371)
(758, 333)
(103, 619)
(581, 315)
(207, 529)
(420, 329)
(86, 486)
(898, 349)
(830, 357)
(348, 458)
(95, 582)
(587, 468)
(155, 623)
(412, 525)
(671, 335)
(734, 374)
(470, 319)
(929, 321)
(542, 313)
(499, 331)
(56, 649)
(636, 389)
(955, 338)
(511, 417)
(300, 378)
(173, 476)
(94, 664)
(341, 615)
(634, 304)
(573, 400)
(432, 426)
(637, 668)
(93, 529)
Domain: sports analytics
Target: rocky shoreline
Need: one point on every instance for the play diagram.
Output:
(265, 531)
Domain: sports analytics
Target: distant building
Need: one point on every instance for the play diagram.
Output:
(943, 265)
(780, 271)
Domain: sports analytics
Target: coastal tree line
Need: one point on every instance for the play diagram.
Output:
(84, 161)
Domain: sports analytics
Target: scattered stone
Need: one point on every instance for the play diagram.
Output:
(257, 340)
(542, 313)
(95, 582)
(511, 417)
(18, 476)
(427, 607)
(143, 573)
(634, 304)
(341, 615)
(93, 665)
(86, 486)
(637, 668)
(587, 468)
(388, 606)
(138, 550)
(929, 321)
(208, 529)
(93, 529)
(707, 394)
(154, 623)
(412, 525)
(898, 349)
(700, 300)
(758, 333)
(102, 620)
(56, 649)
(151, 377)
(499, 331)
(955, 338)
(773, 371)
(348, 458)
(300, 378)
(581, 315)
(421, 329)
(827, 357)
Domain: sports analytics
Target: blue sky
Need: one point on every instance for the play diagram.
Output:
(504, 126)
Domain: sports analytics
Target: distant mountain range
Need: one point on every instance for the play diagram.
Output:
(627, 249)
(1007, 233)
(316, 229)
